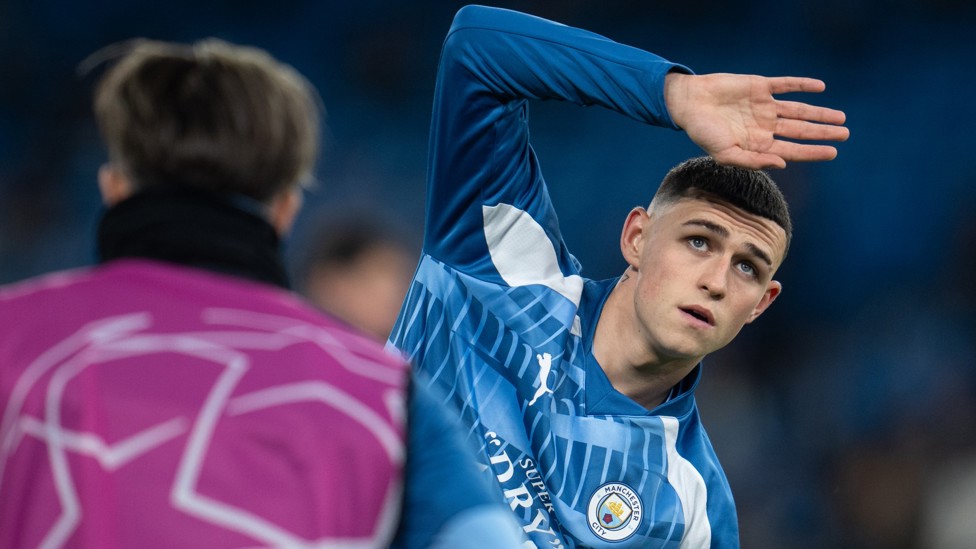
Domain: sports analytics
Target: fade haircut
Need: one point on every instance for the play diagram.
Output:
(750, 190)
(212, 116)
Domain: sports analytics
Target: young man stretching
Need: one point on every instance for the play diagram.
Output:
(580, 393)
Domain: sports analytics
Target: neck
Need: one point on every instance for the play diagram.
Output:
(631, 363)
(196, 229)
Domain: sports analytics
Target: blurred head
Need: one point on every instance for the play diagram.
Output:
(358, 271)
(702, 257)
(210, 116)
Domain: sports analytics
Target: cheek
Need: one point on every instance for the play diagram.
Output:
(655, 283)
(750, 297)
(649, 278)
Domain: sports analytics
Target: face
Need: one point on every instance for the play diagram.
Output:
(701, 270)
(367, 293)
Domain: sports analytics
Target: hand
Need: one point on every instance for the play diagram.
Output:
(736, 119)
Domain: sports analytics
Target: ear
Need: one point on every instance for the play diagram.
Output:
(772, 291)
(284, 208)
(113, 184)
(632, 236)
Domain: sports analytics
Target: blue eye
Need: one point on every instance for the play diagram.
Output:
(747, 268)
(698, 243)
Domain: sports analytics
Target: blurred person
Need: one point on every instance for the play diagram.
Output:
(579, 392)
(358, 270)
(178, 394)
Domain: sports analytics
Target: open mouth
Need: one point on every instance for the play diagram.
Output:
(700, 314)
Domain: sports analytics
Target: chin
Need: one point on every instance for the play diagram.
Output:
(684, 347)
(683, 353)
(694, 349)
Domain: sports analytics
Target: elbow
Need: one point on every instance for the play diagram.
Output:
(471, 15)
(473, 36)
(457, 41)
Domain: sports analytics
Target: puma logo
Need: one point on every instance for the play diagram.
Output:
(545, 366)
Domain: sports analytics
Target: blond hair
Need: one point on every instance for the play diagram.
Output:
(212, 116)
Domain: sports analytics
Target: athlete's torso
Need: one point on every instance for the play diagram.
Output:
(500, 318)
(578, 462)
(146, 405)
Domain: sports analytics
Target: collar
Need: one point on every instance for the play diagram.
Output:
(221, 233)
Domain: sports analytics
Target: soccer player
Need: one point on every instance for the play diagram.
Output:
(178, 394)
(580, 393)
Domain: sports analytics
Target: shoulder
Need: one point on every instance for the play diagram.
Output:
(53, 281)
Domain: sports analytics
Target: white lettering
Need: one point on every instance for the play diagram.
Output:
(537, 524)
(509, 471)
(520, 497)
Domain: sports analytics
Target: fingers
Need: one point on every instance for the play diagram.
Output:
(752, 160)
(802, 152)
(803, 111)
(808, 131)
(776, 156)
(798, 120)
(788, 84)
(773, 132)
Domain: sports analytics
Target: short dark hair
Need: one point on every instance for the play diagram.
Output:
(212, 115)
(753, 191)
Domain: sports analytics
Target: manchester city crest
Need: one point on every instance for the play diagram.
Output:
(614, 512)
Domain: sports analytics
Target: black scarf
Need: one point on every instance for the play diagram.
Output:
(226, 234)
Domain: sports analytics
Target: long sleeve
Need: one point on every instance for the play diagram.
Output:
(499, 316)
(494, 61)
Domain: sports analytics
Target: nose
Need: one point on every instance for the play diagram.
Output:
(713, 279)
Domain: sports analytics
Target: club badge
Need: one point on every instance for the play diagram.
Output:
(614, 512)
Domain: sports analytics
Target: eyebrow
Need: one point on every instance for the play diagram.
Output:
(723, 232)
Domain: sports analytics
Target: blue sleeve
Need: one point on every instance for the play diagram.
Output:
(493, 61)
(446, 495)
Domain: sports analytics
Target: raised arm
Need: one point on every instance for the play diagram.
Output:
(493, 62)
(737, 120)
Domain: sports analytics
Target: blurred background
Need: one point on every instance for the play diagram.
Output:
(845, 417)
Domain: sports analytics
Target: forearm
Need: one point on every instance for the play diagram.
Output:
(493, 62)
(518, 56)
